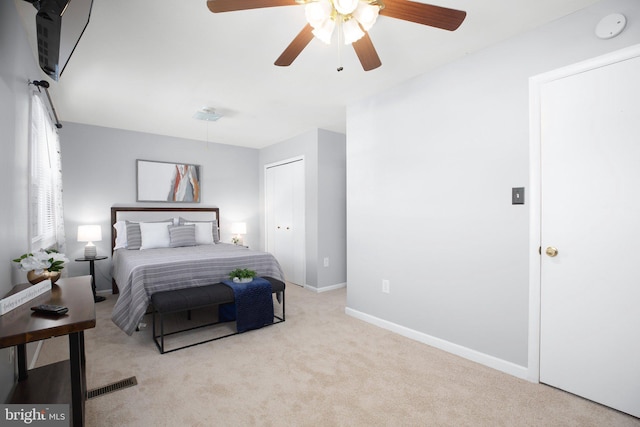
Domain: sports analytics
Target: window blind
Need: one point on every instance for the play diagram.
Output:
(45, 197)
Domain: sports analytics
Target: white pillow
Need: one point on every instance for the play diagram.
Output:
(155, 235)
(121, 234)
(204, 232)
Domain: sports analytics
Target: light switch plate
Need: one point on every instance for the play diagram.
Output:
(517, 196)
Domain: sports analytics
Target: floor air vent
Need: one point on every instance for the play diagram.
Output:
(129, 382)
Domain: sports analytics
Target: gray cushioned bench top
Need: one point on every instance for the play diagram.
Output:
(201, 296)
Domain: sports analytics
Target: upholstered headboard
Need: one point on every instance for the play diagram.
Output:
(142, 213)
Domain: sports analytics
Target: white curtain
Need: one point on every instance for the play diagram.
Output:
(45, 198)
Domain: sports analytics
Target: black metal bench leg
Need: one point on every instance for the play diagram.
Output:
(161, 333)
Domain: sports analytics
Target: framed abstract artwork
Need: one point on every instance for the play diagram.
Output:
(167, 182)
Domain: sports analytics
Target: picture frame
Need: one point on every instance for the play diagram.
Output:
(158, 181)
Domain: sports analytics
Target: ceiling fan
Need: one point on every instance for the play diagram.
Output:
(353, 19)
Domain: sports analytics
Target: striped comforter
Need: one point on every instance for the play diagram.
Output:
(139, 274)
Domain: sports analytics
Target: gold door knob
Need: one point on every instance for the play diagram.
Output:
(551, 251)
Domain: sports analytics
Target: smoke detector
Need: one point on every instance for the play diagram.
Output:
(610, 26)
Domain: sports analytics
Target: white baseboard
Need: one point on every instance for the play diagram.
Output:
(470, 354)
(326, 288)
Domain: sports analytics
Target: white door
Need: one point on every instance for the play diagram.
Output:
(590, 290)
(285, 227)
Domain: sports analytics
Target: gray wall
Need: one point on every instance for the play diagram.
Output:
(325, 200)
(429, 187)
(99, 167)
(332, 208)
(17, 67)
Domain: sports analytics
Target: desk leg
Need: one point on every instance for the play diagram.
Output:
(22, 362)
(78, 377)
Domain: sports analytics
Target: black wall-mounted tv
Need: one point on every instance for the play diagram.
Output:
(59, 25)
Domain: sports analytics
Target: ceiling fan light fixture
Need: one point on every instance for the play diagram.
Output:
(366, 14)
(351, 31)
(207, 114)
(354, 15)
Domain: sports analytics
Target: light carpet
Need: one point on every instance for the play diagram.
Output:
(319, 368)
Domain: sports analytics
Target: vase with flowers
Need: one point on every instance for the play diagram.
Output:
(42, 265)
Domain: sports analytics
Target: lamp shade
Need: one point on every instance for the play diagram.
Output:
(317, 12)
(366, 14)
(89, 233)
(345, 7)
(351, 31)
(324, 31)
(239, 228)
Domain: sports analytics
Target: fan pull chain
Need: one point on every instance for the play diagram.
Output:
(340, 43)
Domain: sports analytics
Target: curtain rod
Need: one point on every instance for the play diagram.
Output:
(45, 85)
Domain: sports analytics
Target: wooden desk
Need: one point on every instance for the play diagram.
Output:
(51, 383)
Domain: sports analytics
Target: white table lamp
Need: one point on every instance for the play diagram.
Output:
(238, 228)
(90, 234)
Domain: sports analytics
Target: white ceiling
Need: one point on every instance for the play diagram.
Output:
(149, 65)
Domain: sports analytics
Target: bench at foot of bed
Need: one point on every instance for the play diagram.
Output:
(187, 299)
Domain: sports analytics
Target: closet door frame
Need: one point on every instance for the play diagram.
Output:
(535, 191)
(303, 207)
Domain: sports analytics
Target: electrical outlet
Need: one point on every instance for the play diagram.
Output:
(326, 262)
(385, 286)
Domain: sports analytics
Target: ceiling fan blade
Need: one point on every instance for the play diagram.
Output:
(367, 53)
(295, 47)
(217, 6)
(425, 14)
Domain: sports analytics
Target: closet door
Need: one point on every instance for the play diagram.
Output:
(285, 228)
(590, 275)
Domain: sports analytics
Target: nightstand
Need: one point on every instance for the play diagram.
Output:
(92, 270)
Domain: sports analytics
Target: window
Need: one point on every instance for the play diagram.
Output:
(45, 198)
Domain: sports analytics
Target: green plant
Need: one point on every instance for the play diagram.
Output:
(242, 273)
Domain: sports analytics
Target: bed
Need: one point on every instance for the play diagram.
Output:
(143, 264)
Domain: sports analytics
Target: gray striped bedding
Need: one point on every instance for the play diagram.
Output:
(140, 273)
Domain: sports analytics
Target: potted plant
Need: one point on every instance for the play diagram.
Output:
(42, 265)
(242, 275)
